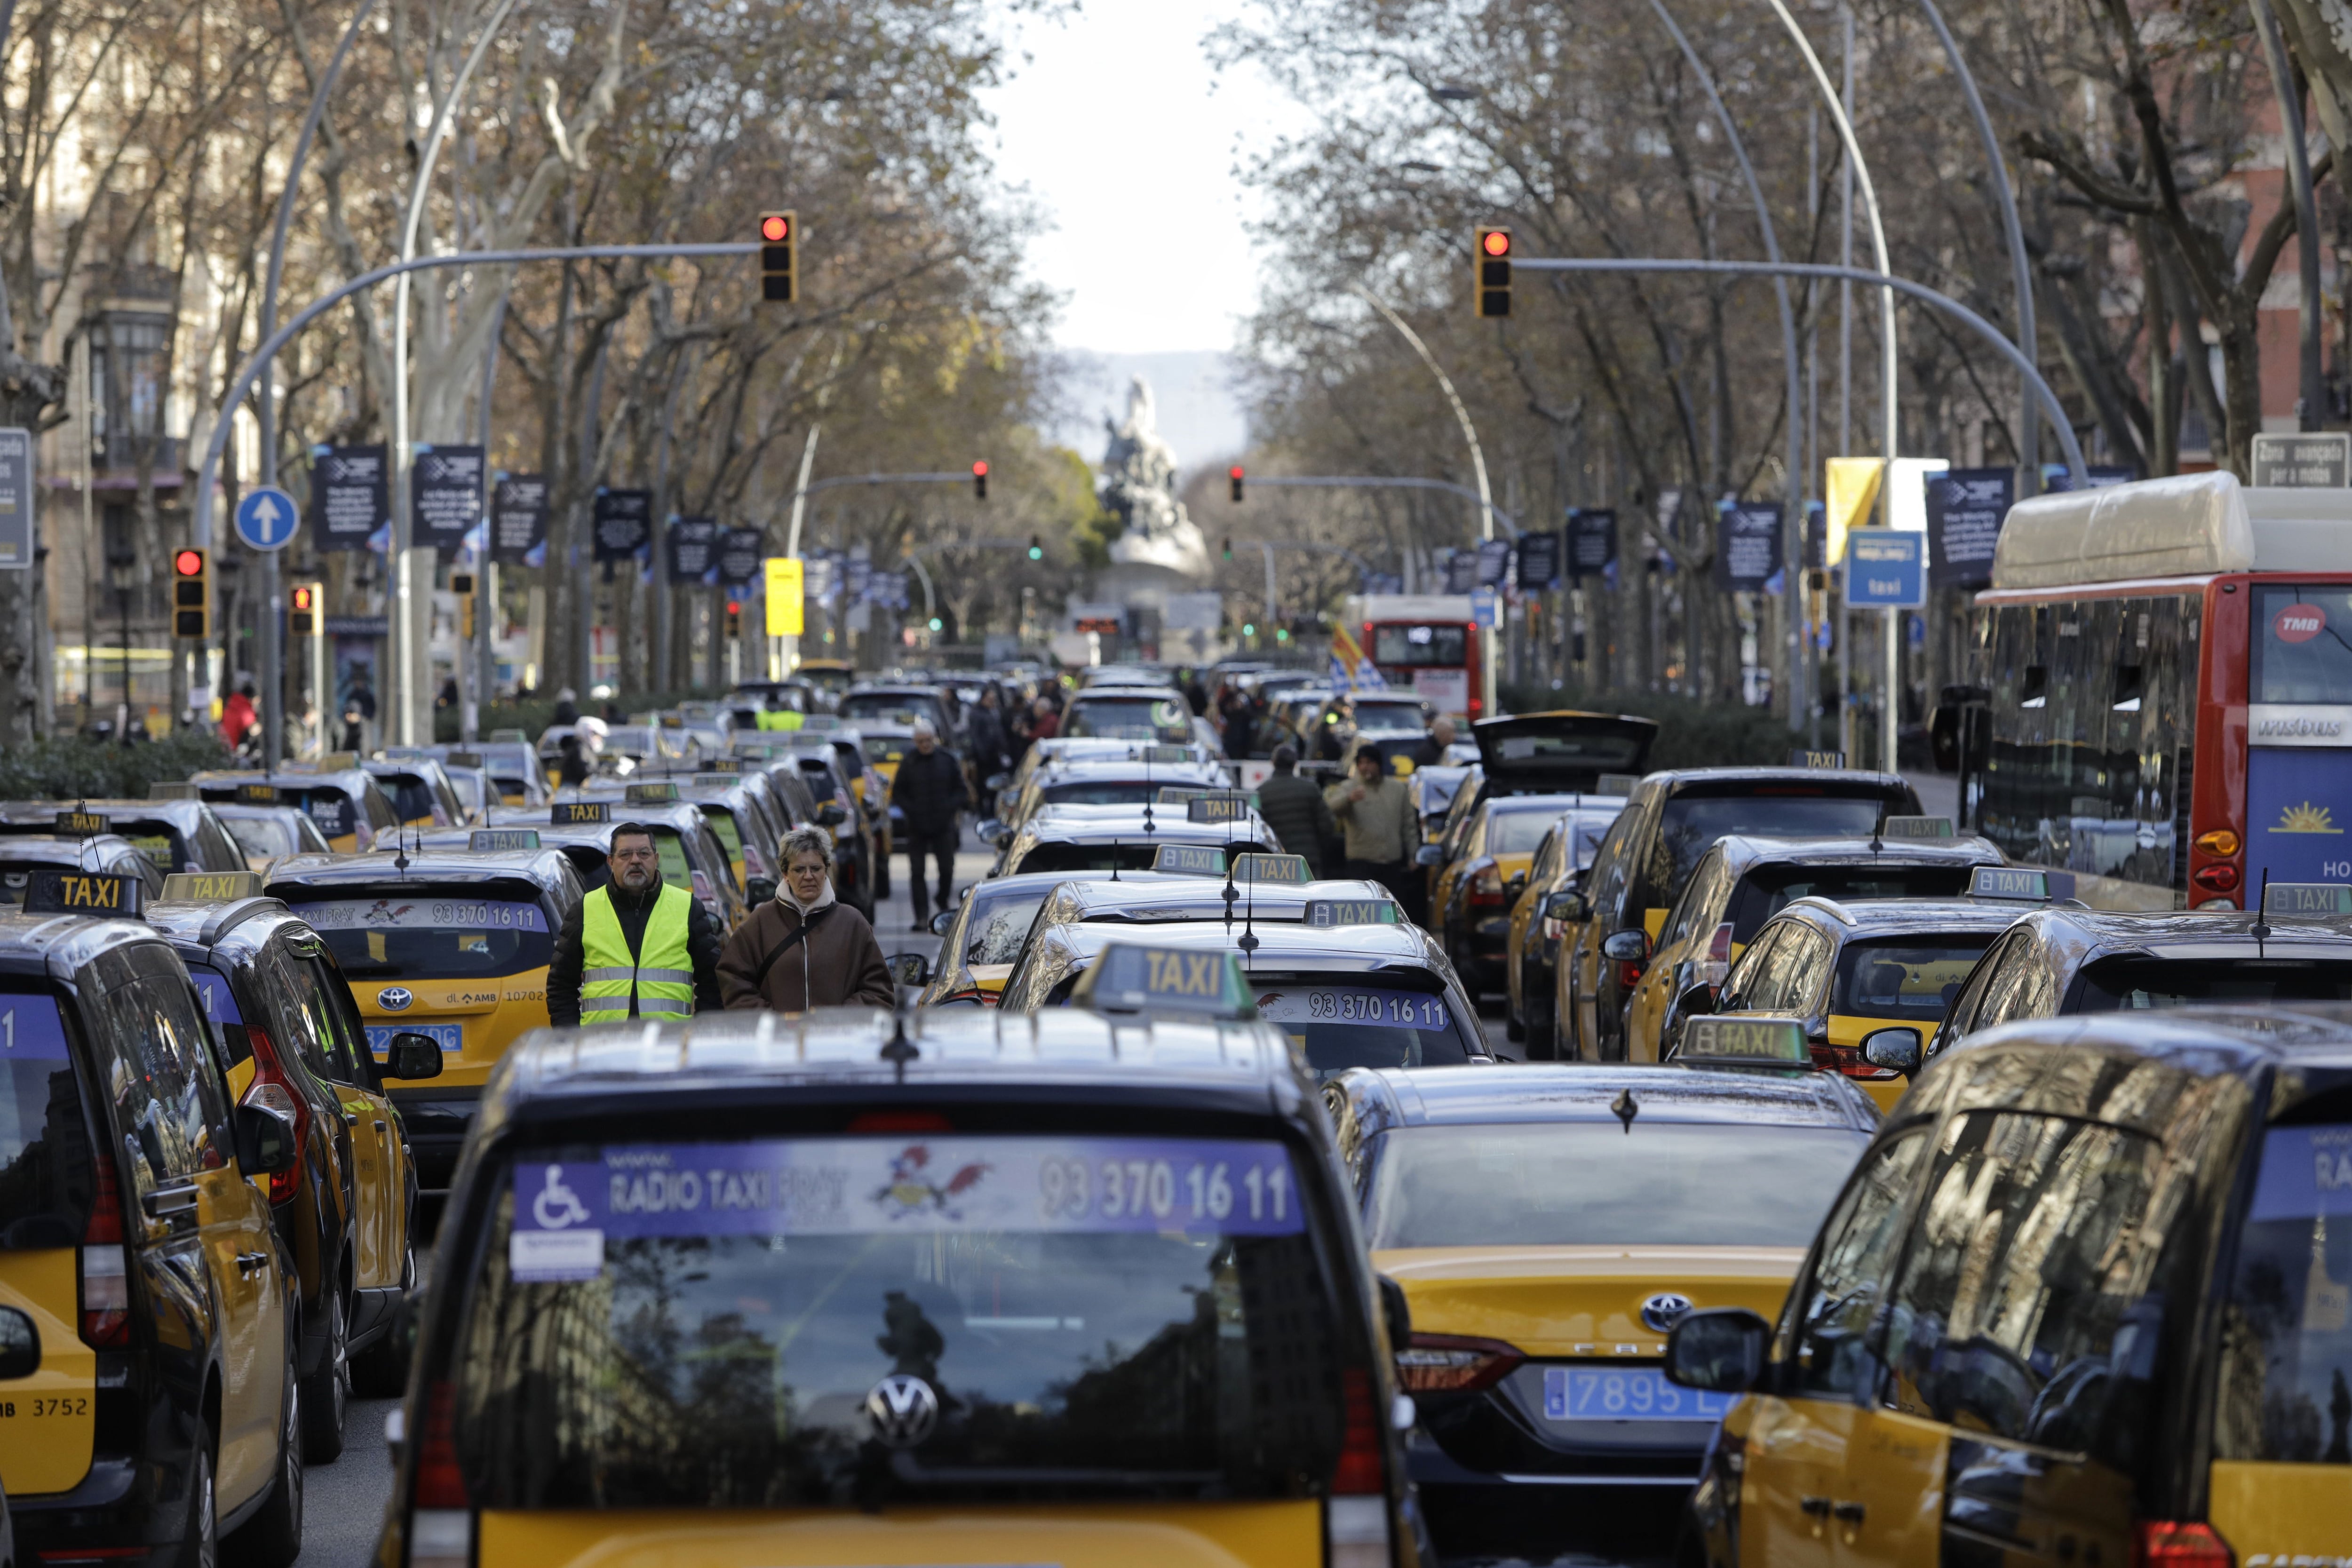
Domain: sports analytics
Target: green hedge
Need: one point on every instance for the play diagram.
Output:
(76, 768)
(1691, 734)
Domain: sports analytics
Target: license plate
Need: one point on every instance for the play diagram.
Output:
(1625, 1394)
(449, 1036)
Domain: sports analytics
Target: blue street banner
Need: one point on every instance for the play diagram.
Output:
(740, 554)
(519, 521)
(693, 543)
(1538, 562)
(1966, 508)
(1748, 544)
(1484, 608)
(2057, 477)
(1592, 541)
(445, 493)
(1494, 561)
(625, 521)
(1461, 571)
(1884, 570)
(348, 500)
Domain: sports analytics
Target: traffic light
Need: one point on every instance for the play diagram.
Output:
(462, 585)
(936, 623)
(1494, 264)
(735, 618)
(303, 610)
(1235, 473)
(191, 595)
(979, 481)
(1036, 548)
(779, 272)
(1229, 547)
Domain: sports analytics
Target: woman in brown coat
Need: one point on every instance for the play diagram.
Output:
(801, 949)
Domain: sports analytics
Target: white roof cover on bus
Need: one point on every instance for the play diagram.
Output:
(2190, 526)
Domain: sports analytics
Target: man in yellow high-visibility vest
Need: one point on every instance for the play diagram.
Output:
(637, 948)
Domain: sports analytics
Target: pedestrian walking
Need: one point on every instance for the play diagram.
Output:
(1297, 812)
(930, 791)
(803, 948)
(635, 948)
(1375, 812)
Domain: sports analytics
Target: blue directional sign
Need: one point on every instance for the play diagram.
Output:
(1884, 570)
(267, 519)
(1484, 608)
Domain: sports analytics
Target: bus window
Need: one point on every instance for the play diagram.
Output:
(2300, 651)
(1404, 645)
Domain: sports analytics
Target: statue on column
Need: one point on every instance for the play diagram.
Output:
(1139, 486)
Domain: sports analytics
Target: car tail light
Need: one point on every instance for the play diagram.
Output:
(2178, 1544)
(272, 1087)
(2221, 878)
(1485, 879)
(1718, 956)
(105, 1270)
(1629, 975)
(1847, 1060)
(439, 1482)
(1363, 1465)
(1449, 1364)
(2220, 841)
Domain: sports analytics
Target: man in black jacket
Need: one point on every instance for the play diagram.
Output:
(635, 867)
(930, 790)
(1297, 812)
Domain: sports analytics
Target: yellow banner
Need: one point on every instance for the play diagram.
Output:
(1850, 491)
(783, 585)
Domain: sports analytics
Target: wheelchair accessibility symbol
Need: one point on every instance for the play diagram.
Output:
(558, 1205)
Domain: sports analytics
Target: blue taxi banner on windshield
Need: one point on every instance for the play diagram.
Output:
(1361, 1006)
(2298, 808)
(2306, 1173)
(564, 1211)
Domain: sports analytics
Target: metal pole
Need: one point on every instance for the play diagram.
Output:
(486, 571)
(661, 545)
(2307, 210)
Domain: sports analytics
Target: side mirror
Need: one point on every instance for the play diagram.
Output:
(1430, 854)
(412, 1056)
(265, 1140)
(1397, 1313)
(20, 1344)
(994, 833)
(910, 968)
(830, 815)
(995, 781)
(1720, 1350)
(758, 890)
(1626, 947)
(1897, 1050)
(940, 922)
(1516, 886)
(1565, 906)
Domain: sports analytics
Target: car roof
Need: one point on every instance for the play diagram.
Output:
(57, 945)
(1743, 852)
(426, 867)
(180, 814)
(291, 777)
(1542, 1091)
(54, 849)
(197, 928)
(1280, 944)
(1100, 898)
(1853, 919)
(2303, 1050)
(1676, 780)
(2215, 933)
(1128, 691)
(1125, 825)
(1122, 770)
(248, 811)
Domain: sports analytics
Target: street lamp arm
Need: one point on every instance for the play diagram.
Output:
(1460, 415)
(209, 472)
(1384, 482)
(2009, 351)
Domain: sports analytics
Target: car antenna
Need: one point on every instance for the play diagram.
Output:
(898, 1050)
(1878, 830)
(1626, 1107)
(400, 849)
(2261, 930)
(1114, 859)
(1249, 942)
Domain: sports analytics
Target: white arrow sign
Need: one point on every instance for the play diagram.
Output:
(267, 519)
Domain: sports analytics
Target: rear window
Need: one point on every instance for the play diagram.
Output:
(159, 841)
(1914, 979)
(999, 926)
(1390, 719)
(2287, 1332)
(1101, 791)
(411, 797)
(1691, 825)
(2115, 984)
(45, 1170)
(1135, 856)
(262, 836)
(1130, 718)
(1518, 832)
(1768, 890)
(2300, 654)
(1072, 1316)
(1402, 646)
(890, 706)
(1594, 1184)
(1343, 1021)
(430, 936)
(330, 810)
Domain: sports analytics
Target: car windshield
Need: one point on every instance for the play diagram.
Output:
(1383, 1020)
(1595, 1183)
(999, 924)
(1390, 719)
(158, 840)
(1398, 646)
(412, 796)
(429, 935)
(1075, 1315)
(1518, 832)
(1913, 978)
(264, 836)
(1134, 855)
(1769, 890)
(45, 1157)
(2284, 1399)
(2143, 981)
(890, 706)
(1130, 718)
(1691, 823)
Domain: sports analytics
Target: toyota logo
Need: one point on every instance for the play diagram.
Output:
(903, 1410)
(1664, 1309)
(395, 998)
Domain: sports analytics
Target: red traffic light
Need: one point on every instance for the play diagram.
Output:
(188, 563)
(1496, 242)
(1235, 471)
(775, 228)
(302, 599)
(979, 470)
(734, 607)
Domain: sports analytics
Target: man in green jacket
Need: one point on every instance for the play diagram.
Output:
(1295, 809)
(1375, 810)
(636, 947)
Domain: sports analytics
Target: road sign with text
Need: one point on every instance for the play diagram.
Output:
(1885, 570)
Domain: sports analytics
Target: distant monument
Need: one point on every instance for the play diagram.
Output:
(1140, 485)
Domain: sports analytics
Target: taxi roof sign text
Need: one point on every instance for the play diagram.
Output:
(2326, 900)
(1291, 869)
(54, 891)
(2012, 882)
(1131, 979)
(211, 887)
(492, 841)
(1325, 912)
(1801, 758)
(1916, 827)
(1713, 1039)
(660, 794)
(575, 812)
(81, 824)
(1222, 807)
(1190, 860)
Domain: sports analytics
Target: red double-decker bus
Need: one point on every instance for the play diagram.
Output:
(2164, 702)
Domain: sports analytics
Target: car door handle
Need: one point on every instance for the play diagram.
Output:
(351, 1118)
(1818, 1507)
(381, 1127)
(168, 1201)
(1848, 1513)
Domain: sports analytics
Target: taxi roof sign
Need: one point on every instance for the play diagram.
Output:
(719, 765)
(211, 887)
(1801, 758)
(1190, 860)
(173, 790)
(56, 891)
(1916, 827)
(1222, 806)
(492, 841)
(574, 812)
(2327, 901)
(1127, 978)
(336, 761)
(1290, 870)
(660, 794)
(1619, 785)
(508, 737)
(1327, 912)
(2015, 883)
(820, 723)
(462, 760)
(1163, 754)
(81, 824)
(1739, 1040)
(256, 794)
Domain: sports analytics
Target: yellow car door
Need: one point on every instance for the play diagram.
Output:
(380, 1179)
(48, 1420)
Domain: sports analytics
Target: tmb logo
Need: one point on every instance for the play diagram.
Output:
(2298, 622)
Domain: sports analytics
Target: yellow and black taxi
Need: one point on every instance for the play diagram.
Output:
(1079, 838)
(1884, 970)
(452, 944)
(268, 833)
(982, 936)
(335, 792)
(1073, 1290)
(859, 860)
(1744, 880)
(419, 786)
(2083, 1300)
(176, 835)
(1531, 940)
(1549, 1226)
(691, 856)
(509, 765)
(288, 1037)
(22, 854)
(1610, 922)
(1107, 780)
(2063, 958)
(1472, 893)
(136, 1235)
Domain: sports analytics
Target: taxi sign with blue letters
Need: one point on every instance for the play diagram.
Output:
(660, 794)
(1289, 869)
(1756, 1041)
(1916, 827)
(574, 812)
(211, 887)
(54, 891)
(81, 824)
(1127, 978)
(492, 841)
(2323, 900)
(2011, 882)
(1801, 758)
(1327, 912)
(1190, 860)
(1218, 808)
(820, 723)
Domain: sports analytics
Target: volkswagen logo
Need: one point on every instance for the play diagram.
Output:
(395, 998)
(1664, 1309)
(903, 1410)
